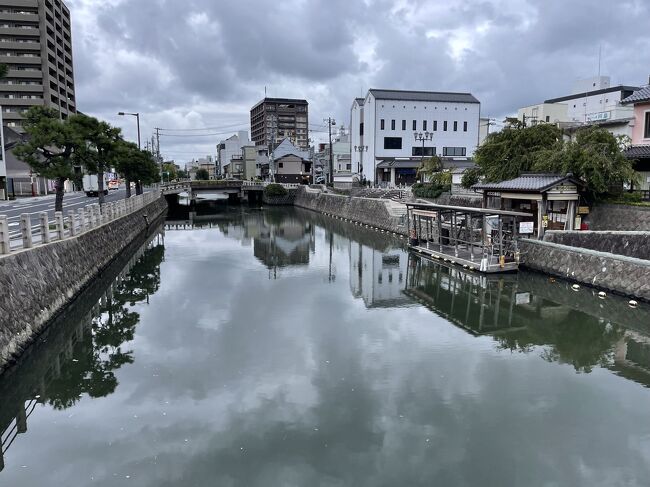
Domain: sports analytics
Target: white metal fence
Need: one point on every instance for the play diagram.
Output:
(74, 223)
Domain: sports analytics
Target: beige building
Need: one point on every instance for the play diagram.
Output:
(274, 119)
(543, 113)
(36, 45)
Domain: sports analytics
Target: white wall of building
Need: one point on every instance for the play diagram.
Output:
(373, 111)
(233, 147)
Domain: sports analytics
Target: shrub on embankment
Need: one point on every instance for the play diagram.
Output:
(429, 190)
(275, 189)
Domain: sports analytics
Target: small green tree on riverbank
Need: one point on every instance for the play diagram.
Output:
(202, 175)
(135, 166)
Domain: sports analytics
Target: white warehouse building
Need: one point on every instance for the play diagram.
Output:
(382, 127)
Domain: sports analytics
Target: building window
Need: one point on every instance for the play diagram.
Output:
(392, 124)
(548, 118)
(424, 125)
(381, 124)
(280, 164)
(392, 143)
(361, 129)
(454, 151)
(646, 126)
(428, 151)
(444, 125)
(435, 125)
(415, 125)
(464, 126)
(455, 126)
(403, 124)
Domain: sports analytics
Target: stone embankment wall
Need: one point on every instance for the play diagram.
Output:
(380, 213)
(38, 283)
(623, 275)
(630, 244)
(619, 217)
(288, 199)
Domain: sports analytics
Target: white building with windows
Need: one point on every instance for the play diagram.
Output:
(593, 101)
(382, 127)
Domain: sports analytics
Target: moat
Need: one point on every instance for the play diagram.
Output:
(280, 347)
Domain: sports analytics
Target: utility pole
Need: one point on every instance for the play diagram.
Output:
(157, 149)
(330, 122)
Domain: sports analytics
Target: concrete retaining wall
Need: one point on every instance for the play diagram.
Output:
(384, 214)
(38, 283)
(624, 275)
(619, 217)
(288, 199)
(630, 244)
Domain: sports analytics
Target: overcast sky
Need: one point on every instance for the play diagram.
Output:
(187, 64)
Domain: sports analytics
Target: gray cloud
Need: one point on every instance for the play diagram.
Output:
(205, 63)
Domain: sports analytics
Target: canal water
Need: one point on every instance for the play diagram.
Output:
(278, 347)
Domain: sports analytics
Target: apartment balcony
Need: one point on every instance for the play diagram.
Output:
(21, 88)
(20, 60)
(20, 3)
(20, 102)
(18, 17)
(16, 31)
(21, 46)
(24, 73)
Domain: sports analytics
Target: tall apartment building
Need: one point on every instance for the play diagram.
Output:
(36, 45)
(274, 119)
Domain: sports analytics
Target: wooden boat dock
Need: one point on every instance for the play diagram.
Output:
(482, 239)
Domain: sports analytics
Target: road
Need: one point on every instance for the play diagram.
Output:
(34, 206)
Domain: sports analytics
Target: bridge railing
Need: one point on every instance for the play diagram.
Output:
(63, 226)
(225, 183)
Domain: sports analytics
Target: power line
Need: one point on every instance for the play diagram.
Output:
(207, 128)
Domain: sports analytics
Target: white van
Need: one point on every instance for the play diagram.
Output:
(91, 185)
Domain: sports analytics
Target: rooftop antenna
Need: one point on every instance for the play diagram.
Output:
(600, 53)
(264, 91)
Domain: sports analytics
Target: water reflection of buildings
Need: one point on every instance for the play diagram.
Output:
(378, 277)
(81, 350)
(284, 241)
(525, 311)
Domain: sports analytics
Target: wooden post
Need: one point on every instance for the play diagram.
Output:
(439, 219)
(5, 244)
(60, 228)
(45, 227)
(26, 230)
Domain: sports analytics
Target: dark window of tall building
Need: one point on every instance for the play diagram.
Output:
(361, 129)
(548, 118)
(646, 126)
(403, 124)
(455, 126)
(444, 125)
(381, 124)
(424, 125)
(428, 151)
(454, 151)
(435, 125)
(392, 124)
(415, 125)
(392, 143)
(464, 126)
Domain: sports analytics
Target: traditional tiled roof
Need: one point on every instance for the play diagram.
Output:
(527, 183)
(638, 96)
(440, 96)
(638, 152)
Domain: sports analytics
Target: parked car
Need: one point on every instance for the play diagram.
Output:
(113, 184)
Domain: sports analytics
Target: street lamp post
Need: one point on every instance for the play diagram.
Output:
(137, 116)
(423, 136)
(360, 149)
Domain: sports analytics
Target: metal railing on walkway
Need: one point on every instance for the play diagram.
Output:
(74, 223)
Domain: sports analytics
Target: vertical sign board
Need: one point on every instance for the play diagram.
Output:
(3, 164)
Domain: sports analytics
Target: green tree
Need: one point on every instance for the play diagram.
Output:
(202, 174)
(49, 149)
(97, 145)
(594, 156)
(134, 165)
(429, 167)
(170, 170)
(506, 154)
